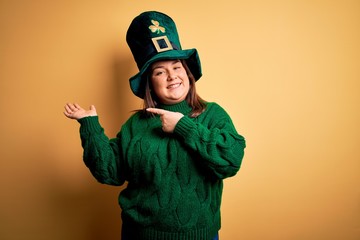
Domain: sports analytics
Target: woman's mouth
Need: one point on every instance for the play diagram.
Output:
(172, 86)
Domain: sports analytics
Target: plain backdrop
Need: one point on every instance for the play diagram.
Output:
(288, 73)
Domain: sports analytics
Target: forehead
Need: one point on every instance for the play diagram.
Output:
(163, 63)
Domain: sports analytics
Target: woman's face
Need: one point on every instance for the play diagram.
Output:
(170, 81)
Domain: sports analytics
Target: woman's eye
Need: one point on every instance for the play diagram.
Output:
(158, 73)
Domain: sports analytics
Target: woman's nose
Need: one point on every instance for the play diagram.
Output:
(172, 76)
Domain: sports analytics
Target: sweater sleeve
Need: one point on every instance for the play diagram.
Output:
(101, 154)
(216, 140)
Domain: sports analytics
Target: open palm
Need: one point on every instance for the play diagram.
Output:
(75, 111)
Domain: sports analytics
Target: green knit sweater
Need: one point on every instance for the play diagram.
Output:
(174, 180)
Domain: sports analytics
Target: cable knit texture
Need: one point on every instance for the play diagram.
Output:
(175, 181)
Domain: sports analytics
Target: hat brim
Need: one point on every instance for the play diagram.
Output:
(137, 82)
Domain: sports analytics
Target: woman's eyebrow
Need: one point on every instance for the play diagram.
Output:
(157, 67)
(161, 66)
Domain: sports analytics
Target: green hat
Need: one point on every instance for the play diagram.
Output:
(152, 36)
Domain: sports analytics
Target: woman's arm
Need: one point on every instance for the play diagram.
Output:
(215, 139)
(101, 155)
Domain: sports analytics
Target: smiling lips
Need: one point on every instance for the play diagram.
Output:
(175, 85)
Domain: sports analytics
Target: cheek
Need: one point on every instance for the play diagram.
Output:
(185, 77)
(157, 85)
(186, 81)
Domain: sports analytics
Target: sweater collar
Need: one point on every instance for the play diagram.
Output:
(182, 107)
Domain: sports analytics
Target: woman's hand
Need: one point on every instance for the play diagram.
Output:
(74, 111)
(168, 119)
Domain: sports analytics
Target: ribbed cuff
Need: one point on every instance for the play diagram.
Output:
(90, 125)
(184, 127)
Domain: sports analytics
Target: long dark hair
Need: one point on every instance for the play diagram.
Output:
(197, 104)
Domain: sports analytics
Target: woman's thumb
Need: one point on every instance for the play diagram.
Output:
(93, 109)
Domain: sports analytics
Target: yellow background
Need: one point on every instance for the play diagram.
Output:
(288, 72)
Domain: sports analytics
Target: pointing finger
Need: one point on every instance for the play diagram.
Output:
(156, 111)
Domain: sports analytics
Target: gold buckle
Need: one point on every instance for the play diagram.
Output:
(162, 43)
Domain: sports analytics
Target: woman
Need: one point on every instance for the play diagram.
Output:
(175, 152)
